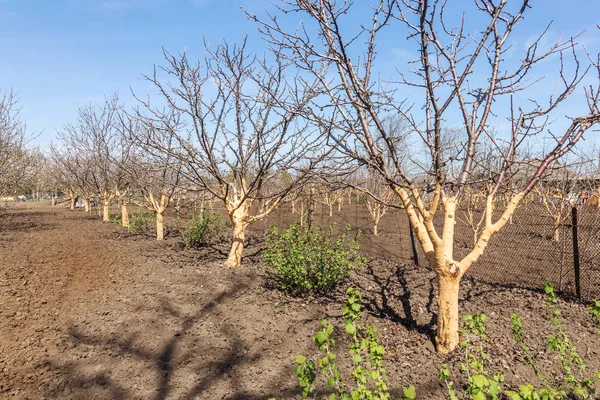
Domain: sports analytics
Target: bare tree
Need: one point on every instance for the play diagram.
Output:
(156, 175)
(92, 142)
(72, 173)
(555, 193)
(14, 155)
(235, 133)
(379, 201)
(459, 76)
(330, 196)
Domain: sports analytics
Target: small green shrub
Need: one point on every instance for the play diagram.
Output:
(115, 219)
(369, 378)
(202, 229)
(303, 261)
(140, 221)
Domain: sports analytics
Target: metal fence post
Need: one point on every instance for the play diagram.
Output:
(576, 252)
(413, 244)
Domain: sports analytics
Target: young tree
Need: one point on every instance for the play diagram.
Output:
(92, 143)
(330, 197)
(14, 156)
(235, 134)
(554, 191)
(379, 201)
(154, 174)
(460, 75)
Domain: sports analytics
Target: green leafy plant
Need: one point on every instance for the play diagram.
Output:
(482, 385)
(528, 391)
(115, 219)
(571, 384)
(140, 221)
(201, 229)
(572, 364)
(303, 261)
(369, 378)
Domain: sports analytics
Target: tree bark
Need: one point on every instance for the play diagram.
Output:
(86, 204)
(124, 215)
(237, 247)
(106, 211)
(72, 202)
(160, 227)
(375, 229)
(447, 324)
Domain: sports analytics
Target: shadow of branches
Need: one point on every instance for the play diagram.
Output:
(174, 353)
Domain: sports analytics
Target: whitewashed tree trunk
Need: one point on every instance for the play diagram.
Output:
(238, 223)
(124, 215)
(160, 226)
(448, 317)
(106, 211)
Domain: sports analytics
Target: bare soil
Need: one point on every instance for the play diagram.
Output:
(91, 311)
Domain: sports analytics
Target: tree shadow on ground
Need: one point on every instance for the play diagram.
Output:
(396, 288)
(178, 357)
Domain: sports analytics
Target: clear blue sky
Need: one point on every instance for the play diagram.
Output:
(58, 54)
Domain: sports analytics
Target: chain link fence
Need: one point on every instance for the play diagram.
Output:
(525, 253)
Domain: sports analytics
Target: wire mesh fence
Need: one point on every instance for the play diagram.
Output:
(525, 253)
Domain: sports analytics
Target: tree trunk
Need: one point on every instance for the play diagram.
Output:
(86, 205)
(447, 324)
(237, 247)
(72, 202)
(124, 215)
(106, 211)
(375, 229)
(160, 227)
(53, 201)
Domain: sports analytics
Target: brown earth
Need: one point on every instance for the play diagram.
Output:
(91, 311)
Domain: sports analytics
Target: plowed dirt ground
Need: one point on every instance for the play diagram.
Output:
(91, 311)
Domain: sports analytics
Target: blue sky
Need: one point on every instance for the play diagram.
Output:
(63, 53)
